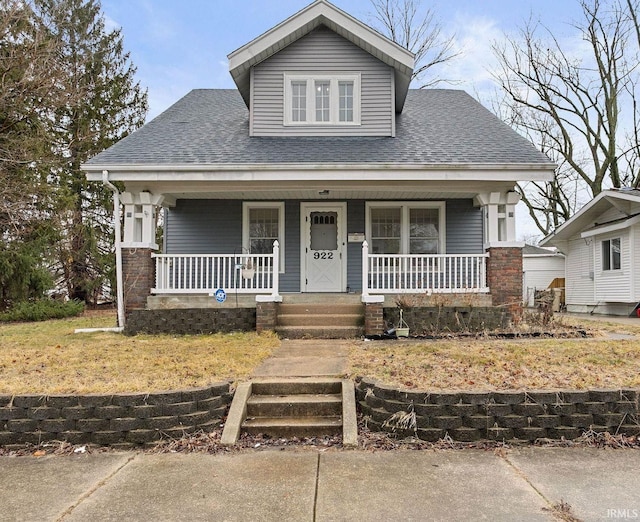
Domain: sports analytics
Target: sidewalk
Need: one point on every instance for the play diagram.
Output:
(308, 485)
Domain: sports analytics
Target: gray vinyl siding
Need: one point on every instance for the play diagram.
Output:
(322, 51)
(355, 225)
(215, 227)
(204, 226)
(290, 280)
(464, 227)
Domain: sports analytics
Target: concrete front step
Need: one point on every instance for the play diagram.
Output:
(320, 309)
(321, 320)
(301, 405)
(322, 297)
(293, 426)
(308, 385)
(319, 332)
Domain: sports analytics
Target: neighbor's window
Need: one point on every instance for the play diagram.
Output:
(406, 227)
(611, 254)
(263, 223)
(321, 100)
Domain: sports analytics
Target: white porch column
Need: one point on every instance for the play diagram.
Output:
(140, 219)
(499, 217)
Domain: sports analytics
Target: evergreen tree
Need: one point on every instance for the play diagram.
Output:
(29, 73)
(104, 104)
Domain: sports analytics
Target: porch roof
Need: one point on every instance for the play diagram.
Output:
(208, 129)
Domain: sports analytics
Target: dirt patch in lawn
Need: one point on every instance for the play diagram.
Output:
(48, 358)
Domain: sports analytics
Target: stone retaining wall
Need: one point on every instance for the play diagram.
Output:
(424, 320)
(114, 420)
(499, 415)
(190, 321)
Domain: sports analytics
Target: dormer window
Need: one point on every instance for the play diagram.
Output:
(322, 100)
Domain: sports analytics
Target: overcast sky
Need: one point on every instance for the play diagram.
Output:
(182, 45)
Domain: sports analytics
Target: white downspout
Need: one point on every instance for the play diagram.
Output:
(118, 246)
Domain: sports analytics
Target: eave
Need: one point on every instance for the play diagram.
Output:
(315, 172)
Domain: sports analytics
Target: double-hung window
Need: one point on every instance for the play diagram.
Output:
(322, 99)
(406, 227)
(262, 224)
(611, 250)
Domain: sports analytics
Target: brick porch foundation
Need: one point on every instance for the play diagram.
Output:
(504, 277)
(138, 271)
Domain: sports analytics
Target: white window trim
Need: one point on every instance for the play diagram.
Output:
(246, 206)
(311, 99)
(404, 220)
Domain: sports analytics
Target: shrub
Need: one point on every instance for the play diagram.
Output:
(41, 310)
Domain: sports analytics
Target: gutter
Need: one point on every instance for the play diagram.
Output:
(118, 247)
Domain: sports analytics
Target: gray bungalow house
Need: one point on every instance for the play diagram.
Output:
(321, 174)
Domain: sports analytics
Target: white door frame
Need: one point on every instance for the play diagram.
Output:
(321, 206)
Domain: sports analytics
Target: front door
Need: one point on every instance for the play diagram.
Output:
(323, 244)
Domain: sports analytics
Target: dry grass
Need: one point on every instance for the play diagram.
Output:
(496, 365)
(48, 358)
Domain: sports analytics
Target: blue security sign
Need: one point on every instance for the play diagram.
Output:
(221, 295)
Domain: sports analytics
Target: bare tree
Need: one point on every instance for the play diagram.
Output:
(578, 107)
(415, 28)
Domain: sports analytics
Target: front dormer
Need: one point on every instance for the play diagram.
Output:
(322, 73)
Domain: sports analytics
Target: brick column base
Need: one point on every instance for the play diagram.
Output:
(266, 316)
(138, 271)
(504, 277)
(373, 320)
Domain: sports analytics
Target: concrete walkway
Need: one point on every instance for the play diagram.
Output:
(307, 358)
(312, 485)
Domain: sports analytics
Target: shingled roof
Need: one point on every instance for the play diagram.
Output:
(438, 128)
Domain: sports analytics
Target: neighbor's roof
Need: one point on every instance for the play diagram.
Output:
(439, 128)
(534, 251)
(306, 20)
(583, 222)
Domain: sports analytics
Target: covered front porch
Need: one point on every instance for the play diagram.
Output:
(370, 245)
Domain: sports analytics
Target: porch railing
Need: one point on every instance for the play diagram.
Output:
(421, 273)
(206, 273)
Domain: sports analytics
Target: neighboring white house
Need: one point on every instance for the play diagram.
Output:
(602, 247)
(540, 267)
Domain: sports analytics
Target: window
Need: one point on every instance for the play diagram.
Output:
(323, 111)
(406, 227)
(385, 235)
(299, 101)
(345, 96)
(322, 100)
(263, 223)
(611, 254)
(423, 230)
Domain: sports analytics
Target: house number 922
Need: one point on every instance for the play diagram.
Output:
(323, 255)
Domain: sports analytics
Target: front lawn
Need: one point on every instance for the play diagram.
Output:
(498, 365)
(48, 358)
